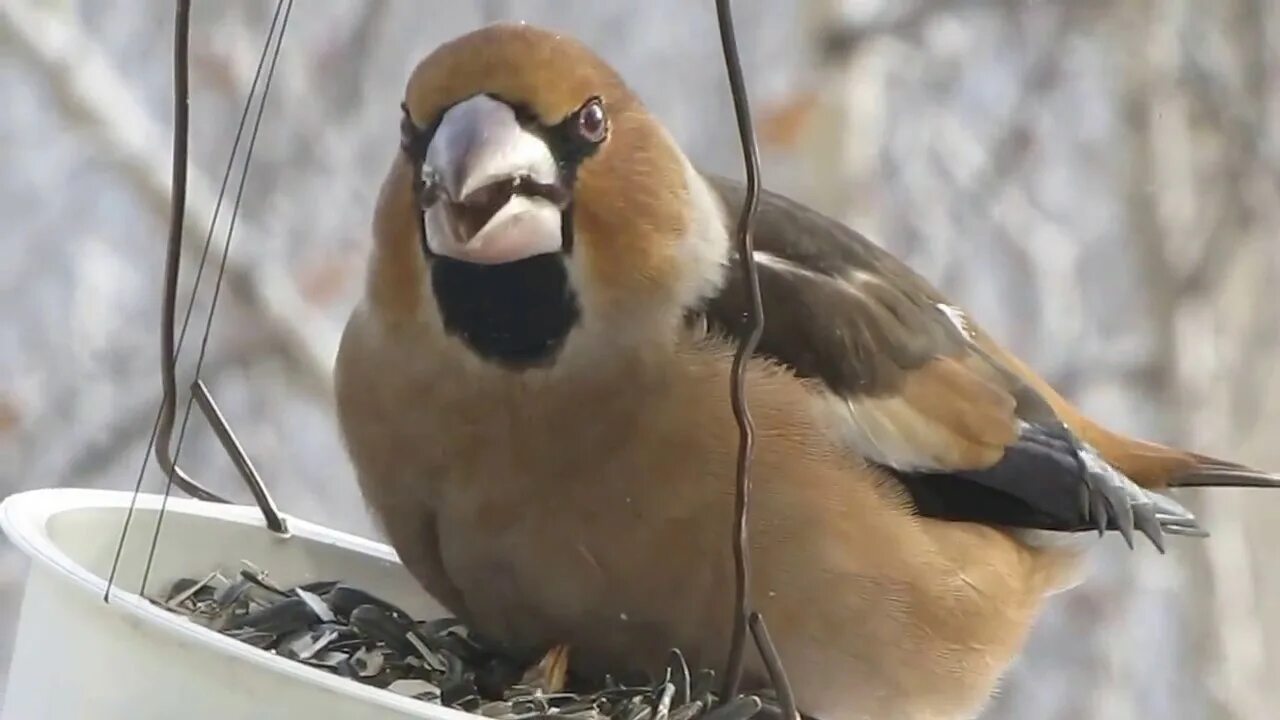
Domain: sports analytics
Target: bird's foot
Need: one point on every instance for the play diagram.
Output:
(1114, 502)
(1108, 503)
(551, 673)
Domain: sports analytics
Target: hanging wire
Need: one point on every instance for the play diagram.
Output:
(177, 212)
(199, 393)
(217, 285)
(162, 429)
(743, 617)
(177, 220)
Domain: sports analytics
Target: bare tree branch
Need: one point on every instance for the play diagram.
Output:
(94, 94)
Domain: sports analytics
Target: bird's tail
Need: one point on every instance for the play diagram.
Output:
(1156, 466)
(1150, 465)
(1208, 471)
(1128, 479)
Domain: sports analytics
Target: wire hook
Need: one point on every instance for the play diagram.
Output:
(168, 352)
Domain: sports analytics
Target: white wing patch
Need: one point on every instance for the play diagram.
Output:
(780, 263)
(885, 430)
(957, 318)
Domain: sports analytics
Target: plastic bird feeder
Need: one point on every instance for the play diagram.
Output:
(78, 657)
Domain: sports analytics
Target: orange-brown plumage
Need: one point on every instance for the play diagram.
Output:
(548, 72)
(395, 274)
(974, 411)
(547, 437)
(1148, 464)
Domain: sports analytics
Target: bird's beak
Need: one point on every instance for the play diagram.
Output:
(499, 198)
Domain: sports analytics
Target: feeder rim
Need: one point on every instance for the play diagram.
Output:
(24, 518)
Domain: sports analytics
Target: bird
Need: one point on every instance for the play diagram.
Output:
(533, 390)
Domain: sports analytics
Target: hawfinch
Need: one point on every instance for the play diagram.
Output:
(534, 391)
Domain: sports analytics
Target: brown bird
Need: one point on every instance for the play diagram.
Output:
(535, 394)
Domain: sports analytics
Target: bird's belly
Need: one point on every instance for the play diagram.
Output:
(599, 574)
(613, 572)
(606, 526)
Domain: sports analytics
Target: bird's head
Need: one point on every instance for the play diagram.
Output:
(555, 214)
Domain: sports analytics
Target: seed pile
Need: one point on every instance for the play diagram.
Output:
(350, 632)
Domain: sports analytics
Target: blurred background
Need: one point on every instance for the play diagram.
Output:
(1098, 182)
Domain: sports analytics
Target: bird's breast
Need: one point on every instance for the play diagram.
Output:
(571, 515)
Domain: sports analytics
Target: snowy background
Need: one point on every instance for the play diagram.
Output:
(1099, 183)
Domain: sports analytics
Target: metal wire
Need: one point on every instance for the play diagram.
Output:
(162, 430)
(742, 615)
(177, 212)
(166, 459)
(217, 285)
(230, 444)
(177, 219)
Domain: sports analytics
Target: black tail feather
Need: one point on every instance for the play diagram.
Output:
(1211, 472)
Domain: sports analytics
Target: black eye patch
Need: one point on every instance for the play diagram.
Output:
(566, 142)
(415, 140)
(564, 139)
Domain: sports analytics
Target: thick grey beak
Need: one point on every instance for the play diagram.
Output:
(479, 155)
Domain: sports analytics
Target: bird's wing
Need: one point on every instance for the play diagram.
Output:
(914, 387)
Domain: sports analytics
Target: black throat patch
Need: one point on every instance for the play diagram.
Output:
(517, 314)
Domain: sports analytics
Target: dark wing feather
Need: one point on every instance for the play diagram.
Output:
(963, 434)
(873, 309)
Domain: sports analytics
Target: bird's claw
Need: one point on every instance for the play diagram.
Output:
(1175, 525)
(1112, 502)
(1148, 523)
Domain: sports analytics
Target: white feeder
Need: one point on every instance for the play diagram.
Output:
(77, 657)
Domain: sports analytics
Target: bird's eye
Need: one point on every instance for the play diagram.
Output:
(593, 124)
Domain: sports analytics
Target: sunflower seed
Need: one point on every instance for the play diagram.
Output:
(415, 688)
(665, 695)
(318, 606)
(286, 616)
(687, 712)
(344, 599)
(186, 588)
(335, 627)
(367, 662)
(304, 644)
